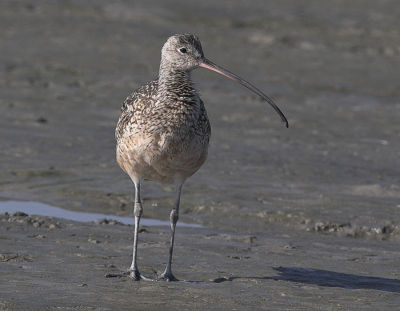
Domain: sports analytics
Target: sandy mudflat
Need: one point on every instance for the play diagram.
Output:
(75, 266)
(305, 218)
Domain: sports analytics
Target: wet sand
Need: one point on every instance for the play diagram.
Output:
(299, 218)
(74, 266)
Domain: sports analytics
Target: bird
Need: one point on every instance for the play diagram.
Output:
(163, 132)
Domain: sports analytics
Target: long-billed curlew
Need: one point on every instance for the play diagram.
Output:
(163, 131)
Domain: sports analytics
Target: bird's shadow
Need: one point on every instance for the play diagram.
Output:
(318, 277)
(329, 279)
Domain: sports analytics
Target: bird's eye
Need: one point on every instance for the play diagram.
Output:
(182, 50)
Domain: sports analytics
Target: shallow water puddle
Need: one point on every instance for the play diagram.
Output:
(42, 209)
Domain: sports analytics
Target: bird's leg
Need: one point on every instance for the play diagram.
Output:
(138, 210)
(174, 216)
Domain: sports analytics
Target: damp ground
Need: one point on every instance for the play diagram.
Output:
(299, 218)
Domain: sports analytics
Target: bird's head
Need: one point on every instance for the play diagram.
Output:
(183, 51)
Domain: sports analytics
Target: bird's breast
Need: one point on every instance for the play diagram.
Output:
(171, 144)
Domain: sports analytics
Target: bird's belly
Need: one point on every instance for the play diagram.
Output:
(164, 157)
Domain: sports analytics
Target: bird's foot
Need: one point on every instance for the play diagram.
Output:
(168, 276)
(135, 274)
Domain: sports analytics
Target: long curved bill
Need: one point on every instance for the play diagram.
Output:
(205, 63)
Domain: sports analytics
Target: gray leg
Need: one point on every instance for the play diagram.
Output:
(138, 210)
(174, 216)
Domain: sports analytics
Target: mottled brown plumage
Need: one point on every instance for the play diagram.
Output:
(163, 131)
(160, 136)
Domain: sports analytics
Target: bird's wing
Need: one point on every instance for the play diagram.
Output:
(134, 106)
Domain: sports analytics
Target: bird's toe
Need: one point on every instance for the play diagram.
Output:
(135, 274)
(169, 277)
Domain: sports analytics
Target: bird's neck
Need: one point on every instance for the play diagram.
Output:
(175, 83)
